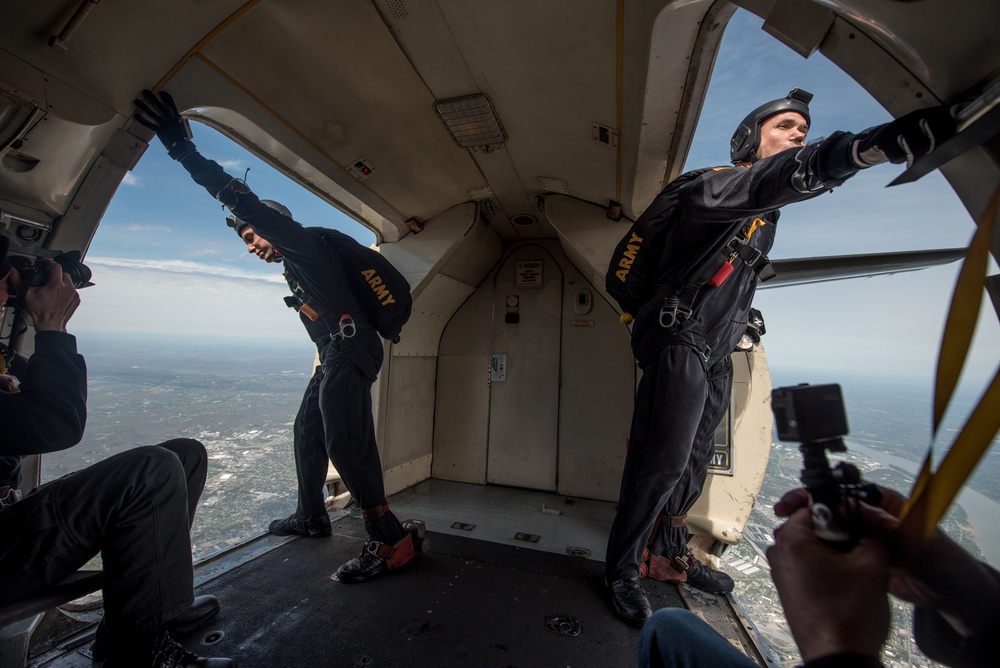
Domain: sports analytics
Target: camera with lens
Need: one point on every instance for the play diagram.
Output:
(37, 274)
(814, 416)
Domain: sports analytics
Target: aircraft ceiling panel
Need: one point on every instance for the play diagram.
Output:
(949, 45)
(550, 70)
(342, 81)
(109, 63)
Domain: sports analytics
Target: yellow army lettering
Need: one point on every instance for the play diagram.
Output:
(380, 290)
(628, 257)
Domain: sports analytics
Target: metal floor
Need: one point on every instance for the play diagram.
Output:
(480, 597)
(510, 516)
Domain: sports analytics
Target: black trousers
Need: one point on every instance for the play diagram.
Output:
(677, 407)
(135, 508)
(334, 424)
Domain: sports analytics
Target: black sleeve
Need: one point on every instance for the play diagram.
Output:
(939, 641)
(791, 176)
(282, 232)
(50, 411)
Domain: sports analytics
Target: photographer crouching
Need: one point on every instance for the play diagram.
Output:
(135, 508)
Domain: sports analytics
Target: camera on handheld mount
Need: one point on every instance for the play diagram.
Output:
(36, 274)
(814, 416)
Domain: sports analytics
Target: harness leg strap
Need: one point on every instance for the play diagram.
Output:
(397, 555)
(376, 512)
(665, 570)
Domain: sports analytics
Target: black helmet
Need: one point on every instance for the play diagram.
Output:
(240, 225)
(746, 139)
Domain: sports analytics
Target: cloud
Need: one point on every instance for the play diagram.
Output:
(185, 267)
(136, 227)
(236, 164)
(184, 298)
(131, 179)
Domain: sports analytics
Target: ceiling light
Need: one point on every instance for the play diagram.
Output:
(472, 121)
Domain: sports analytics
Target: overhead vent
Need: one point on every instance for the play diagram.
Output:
(472, 122)
(397, 9)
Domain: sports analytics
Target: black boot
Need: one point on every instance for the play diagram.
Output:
(365, 566)
(313, 527)
(156, 649)
(202, 611)
(706, 579)
(629, 600)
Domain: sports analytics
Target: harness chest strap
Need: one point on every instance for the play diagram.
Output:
(343, 326)
(677, 304)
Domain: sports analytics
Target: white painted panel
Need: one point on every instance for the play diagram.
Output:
(460, 429)
(431, 311)
(461, 417)
(725, 504)
(595, 411)
(524, 409)
(417, 256)
(410, 413)
(587, 235)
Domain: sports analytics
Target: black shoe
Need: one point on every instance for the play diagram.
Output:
(313, 527)
(707, 579)
(159, 652)
(202, 611)
(171, 655)
(630, 601)
(365, 566)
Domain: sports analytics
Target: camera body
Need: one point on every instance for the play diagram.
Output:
(814, 415)
(809, 413)
(37, 274)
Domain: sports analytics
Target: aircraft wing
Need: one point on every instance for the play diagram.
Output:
(797, 271)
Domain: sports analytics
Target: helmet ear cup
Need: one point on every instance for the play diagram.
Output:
(743, 146)
(740, 143)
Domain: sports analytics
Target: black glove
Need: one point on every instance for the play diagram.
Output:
(160, 115)
(905, 139)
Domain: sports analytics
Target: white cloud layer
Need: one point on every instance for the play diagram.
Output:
(185, 267)
(180, 298)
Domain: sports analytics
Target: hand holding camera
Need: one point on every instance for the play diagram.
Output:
(51, 305)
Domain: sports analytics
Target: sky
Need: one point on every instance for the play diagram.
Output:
(165, 263)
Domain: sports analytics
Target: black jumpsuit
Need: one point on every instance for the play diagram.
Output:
(334, 422)
(135, 508)
(687, 375)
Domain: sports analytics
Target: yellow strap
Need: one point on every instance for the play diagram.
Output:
(754, 226)
(928, 505)
(964, 311)
(933, 492)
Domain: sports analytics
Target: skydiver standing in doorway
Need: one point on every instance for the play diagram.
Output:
(334, 422)
(688, 269)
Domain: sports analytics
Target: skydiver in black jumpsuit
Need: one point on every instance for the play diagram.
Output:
(688, 269)
(334, 422)
(135, 508)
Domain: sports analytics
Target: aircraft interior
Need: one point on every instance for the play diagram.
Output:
(498, 151)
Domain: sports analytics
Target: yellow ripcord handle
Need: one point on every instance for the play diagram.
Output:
(933, 492)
